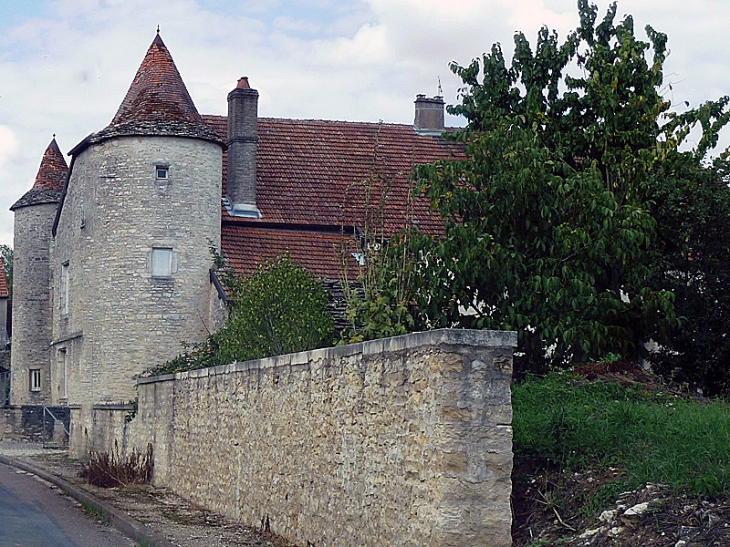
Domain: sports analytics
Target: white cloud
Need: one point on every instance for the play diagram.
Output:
(66, 69)
(8, 145)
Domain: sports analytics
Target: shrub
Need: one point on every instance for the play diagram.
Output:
(110, 469)
(279, 309)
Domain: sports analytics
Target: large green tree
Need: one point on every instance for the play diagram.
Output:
(692, 259)
(564, 218)
(280, 308)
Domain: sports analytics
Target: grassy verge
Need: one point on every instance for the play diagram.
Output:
(564, 423)
(93, 512)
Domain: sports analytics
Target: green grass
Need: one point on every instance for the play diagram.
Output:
(95, 513)
(560, 421)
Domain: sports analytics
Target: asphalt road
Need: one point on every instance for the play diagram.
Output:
(32, 514)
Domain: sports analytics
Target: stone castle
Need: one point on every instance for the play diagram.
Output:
(112, 250)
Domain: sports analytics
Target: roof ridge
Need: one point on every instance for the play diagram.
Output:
(313, 120)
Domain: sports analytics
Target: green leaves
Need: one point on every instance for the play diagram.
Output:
(550, 224)
(279, 309)
(381, 303)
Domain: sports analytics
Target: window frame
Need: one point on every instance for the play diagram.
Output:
(35, 378)
(62, 359)
(64, 293)
(164, 170)
(165, 273)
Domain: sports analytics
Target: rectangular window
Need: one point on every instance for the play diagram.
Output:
(63, 373)
(64, 289)
(35, 379)
(161, 262)
(162, 172)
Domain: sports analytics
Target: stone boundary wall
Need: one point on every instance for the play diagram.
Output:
(402, 441)
(33, 424)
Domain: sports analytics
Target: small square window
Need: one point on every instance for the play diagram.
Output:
(35, 379)
(161, 262)
(162, 172)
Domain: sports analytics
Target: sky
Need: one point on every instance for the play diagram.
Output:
(65, 65)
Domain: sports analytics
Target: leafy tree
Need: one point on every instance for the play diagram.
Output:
(693, 260)
(380, 304)
(554, 219)
(279, 309)
(7, 254)
(380, 301)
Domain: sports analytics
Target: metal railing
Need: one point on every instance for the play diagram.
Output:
(47, 410)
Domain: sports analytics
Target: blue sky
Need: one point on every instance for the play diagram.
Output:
(13, 12)
(65, 65)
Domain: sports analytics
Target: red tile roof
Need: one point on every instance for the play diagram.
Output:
(313, 174)
(3, 281)
(158, 92)
(322, 172)
(49, 181)
(53, 169)
(321, 253)
(157, 103)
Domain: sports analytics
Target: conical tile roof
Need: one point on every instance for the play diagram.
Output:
(53, 169)
(157, 93)
(157, 103)
(49, 181)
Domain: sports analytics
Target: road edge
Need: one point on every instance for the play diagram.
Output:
(134, 530)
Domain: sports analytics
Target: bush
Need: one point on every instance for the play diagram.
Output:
(280, 309)
(108, 470)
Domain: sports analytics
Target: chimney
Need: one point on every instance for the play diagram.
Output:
(242, 143)
(429, 115)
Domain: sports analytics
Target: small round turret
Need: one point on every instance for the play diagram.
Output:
(32, 333)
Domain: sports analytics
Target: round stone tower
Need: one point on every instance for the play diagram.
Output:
(133, 234)
(32, 332)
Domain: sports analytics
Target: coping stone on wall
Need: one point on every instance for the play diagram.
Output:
(113, 406)
(484, 338)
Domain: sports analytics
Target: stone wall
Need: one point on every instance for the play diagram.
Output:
(403, 441)
(35, 423)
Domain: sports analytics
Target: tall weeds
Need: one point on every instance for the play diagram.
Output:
(107, 470)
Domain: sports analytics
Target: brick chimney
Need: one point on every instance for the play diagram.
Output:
(242, 142)
(429, 115)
